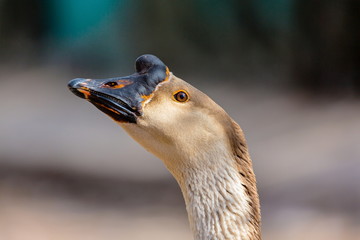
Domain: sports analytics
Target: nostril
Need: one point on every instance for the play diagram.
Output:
(111, 84)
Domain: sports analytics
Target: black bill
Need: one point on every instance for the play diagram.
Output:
(122, 98)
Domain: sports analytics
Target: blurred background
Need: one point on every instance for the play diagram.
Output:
(286, 70)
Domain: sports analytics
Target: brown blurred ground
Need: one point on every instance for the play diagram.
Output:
(68, 172)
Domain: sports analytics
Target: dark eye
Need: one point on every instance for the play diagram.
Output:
(111, 84)
(181, 96)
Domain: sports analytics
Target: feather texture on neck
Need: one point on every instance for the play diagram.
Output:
(221, 196)
(206, 152)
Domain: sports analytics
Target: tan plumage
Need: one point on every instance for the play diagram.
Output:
(203, 148)
(179, 132)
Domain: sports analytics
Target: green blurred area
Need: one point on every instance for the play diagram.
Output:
(313, 45)
(71, 20)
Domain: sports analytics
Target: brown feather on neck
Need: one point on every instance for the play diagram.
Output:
(245, 169)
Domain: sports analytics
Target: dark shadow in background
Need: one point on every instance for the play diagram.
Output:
(326, 51)
(90, 189)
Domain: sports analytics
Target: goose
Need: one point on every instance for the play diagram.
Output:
(200, 144)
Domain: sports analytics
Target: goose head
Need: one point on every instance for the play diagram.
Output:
(166, 115)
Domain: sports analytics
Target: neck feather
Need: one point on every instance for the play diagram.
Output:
(221, 197)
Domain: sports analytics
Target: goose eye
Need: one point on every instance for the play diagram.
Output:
(181, 96)
(111, 84)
